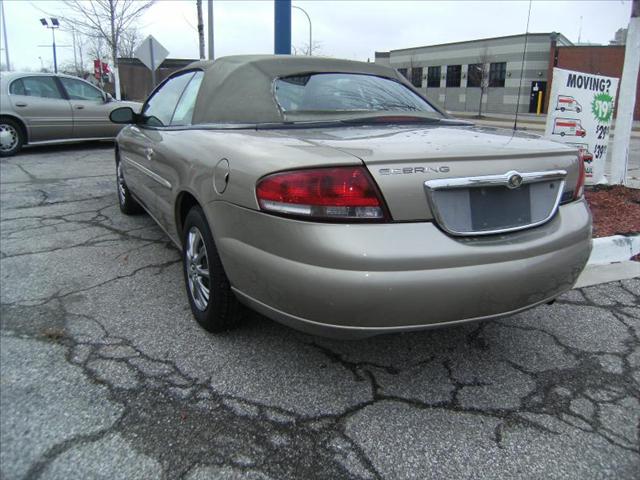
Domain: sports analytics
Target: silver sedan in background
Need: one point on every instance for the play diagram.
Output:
(38, 108)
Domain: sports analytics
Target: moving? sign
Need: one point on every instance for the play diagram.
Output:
(580, 114)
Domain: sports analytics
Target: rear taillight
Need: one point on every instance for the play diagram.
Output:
(329, 194)
(583, 156)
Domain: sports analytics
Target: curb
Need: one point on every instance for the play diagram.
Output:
(609, 261)
(609, 272)
(616, 248)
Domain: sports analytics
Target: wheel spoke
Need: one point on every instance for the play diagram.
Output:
(198, 297)
(203, 272)
(204, 291)
(190, 245)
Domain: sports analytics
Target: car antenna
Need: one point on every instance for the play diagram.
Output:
(524, 52)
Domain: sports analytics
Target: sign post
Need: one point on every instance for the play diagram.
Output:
(624, 120)
(152, 54)
(580, 114)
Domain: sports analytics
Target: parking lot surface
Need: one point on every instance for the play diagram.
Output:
(104, 373)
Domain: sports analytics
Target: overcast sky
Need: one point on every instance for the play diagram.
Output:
(347, 29)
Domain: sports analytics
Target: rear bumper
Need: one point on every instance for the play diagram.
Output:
(361, 280)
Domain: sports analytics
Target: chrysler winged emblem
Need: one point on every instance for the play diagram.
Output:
(514, 181)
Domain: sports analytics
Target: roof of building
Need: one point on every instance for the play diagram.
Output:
(167, 63)
(561, 38)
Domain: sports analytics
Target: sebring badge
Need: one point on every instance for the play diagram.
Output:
(514, 181)
(408, 170)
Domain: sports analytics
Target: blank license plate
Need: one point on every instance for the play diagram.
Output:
(494, 208)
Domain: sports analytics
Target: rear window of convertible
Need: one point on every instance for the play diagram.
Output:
(346, 92)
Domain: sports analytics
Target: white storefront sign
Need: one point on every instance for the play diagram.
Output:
(580, 114)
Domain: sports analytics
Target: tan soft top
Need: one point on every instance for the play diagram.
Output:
(239, 89)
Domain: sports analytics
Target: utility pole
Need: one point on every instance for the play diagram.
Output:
(200, 29)
(75, 56)
(627, 99)
(282, 27)
(210, 27)
(4, 35)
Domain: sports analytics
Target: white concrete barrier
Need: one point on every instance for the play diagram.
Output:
(617, 248)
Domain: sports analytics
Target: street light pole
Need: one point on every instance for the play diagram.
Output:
(54, 24)
(4, 35)
(310, 28)
(55, 58)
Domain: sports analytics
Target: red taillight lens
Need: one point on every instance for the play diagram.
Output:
(341, 193)
(583, 156)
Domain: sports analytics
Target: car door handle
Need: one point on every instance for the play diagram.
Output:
(79, 107)
(149, 153)
(21, 104)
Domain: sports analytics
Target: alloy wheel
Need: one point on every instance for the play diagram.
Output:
(121, 185)
(8, 137)
(197, 265)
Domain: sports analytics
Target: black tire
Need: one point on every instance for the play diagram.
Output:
(221, 311)
(10, 131)
(562, 134)
(127, 204)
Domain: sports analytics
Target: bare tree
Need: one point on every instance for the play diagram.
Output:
(104, 19)
(303, 49)
(97, 50)
(478, 76)
(129, 41)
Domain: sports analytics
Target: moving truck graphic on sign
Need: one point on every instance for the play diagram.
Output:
(587, 156)
(568, 126)
(568, 103)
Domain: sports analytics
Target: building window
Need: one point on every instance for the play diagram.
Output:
(416, 77)
(403, 72)
(497, 73)
(474, 75)
(433, 77)
(454, 73)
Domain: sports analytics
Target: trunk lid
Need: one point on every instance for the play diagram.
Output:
(401, 158)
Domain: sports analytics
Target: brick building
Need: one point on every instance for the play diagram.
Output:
(135, 77)
(449, 74)
(603, 60)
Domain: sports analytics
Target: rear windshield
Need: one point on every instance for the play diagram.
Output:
(346, 92)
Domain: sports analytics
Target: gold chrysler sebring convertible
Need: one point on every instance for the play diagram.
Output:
(331, 196)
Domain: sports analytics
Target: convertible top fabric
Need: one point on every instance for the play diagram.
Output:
(239, 89)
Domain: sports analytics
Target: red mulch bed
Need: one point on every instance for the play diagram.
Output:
(615, 210)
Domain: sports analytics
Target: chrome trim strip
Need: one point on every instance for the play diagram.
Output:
(494, 180)
(154, 176)
(491, 181)
(71, 140)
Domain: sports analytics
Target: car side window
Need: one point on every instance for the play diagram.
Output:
(17, 88)
(186, 104)
(79, 90)
(158, 110)
(44, 87)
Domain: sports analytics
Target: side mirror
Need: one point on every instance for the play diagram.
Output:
(107, 97)
(123, 115)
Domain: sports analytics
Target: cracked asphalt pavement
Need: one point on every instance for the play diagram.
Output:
(104, 373)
